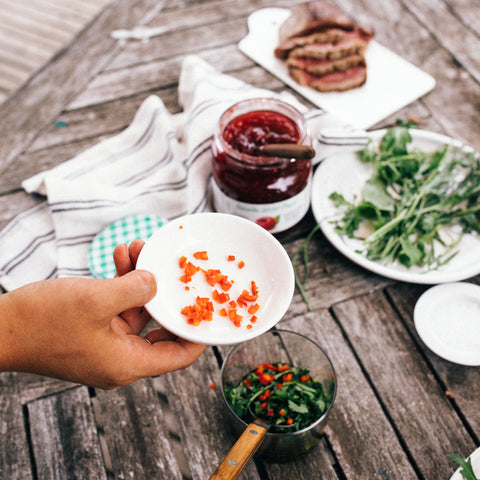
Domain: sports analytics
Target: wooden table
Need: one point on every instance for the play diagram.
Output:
(400, 408)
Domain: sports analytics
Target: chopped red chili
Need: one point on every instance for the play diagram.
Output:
(265, 378)
(203, 307)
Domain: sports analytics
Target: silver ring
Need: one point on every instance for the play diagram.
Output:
(148, 341)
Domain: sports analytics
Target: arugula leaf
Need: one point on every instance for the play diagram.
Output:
(395, 141)
(374, 192)
(466, 465)
(297, 408)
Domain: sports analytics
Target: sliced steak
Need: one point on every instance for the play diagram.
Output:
(336, 81)
(324, 48)
(314, 17)
(332, 35)
(350, 45)
(325, 66)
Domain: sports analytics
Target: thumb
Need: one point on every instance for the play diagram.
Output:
(133, 289)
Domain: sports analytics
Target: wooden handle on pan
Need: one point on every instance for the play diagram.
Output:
(241, 453)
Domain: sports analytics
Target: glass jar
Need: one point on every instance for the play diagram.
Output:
(271, 191)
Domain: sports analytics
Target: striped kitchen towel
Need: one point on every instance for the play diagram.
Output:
(159, 165)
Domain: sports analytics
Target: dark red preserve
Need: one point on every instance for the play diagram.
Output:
(252, 130)
(274, 192)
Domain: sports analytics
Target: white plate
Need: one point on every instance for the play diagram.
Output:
(475, 456)
(345, 173)
(447, 318)
(392, 82)
(266, 263)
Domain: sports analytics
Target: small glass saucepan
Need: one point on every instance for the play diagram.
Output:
(272, 347)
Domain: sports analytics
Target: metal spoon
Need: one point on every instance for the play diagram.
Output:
(288, 150)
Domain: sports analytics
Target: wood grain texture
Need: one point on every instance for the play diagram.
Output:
(357, 425)
(405, 384)
(14, 454)
(400, 408)
(134, 428)
(64, 438)
(459, 383)
(30, 109)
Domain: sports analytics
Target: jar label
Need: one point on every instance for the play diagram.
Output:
(275, 217)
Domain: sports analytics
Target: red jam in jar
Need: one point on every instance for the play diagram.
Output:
(271, 191)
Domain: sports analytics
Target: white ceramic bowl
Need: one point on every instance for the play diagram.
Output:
(220, 235)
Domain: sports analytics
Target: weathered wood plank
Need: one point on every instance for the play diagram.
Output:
(461, 383)
(404, 382)
(318, 461)
(218, 17)
(361, 436)
(445, 25)
(135, 432)
(111, 85)
(332, 278)
(467, 13)
(43, 97)
(32, 386)
(14, 448)
(64, 438)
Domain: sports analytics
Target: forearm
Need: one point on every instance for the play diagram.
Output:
(31, 322)
(9, 334)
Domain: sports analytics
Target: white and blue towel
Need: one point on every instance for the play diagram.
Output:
(159, 165)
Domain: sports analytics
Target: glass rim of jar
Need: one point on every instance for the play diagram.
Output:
(260, 104)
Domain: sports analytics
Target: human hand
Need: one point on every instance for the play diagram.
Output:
(87, 331)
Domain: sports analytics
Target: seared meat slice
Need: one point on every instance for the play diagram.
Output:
(314, 17)
(348, 46)
(332, 35)
(336, 81)
(323, 66)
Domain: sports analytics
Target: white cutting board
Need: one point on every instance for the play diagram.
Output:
(392, 82)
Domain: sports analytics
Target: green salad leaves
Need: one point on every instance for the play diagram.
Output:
(410, 199)
(284, 396)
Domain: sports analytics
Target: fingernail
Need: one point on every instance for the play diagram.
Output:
(147, 278)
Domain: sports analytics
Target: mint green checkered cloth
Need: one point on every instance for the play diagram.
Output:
(125, 230)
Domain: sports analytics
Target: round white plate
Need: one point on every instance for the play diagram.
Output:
(345, 173)
(447, 318)
(220, 235)
(475, 456)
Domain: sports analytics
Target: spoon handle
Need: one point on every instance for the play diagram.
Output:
(241, 453)
(288, 150)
